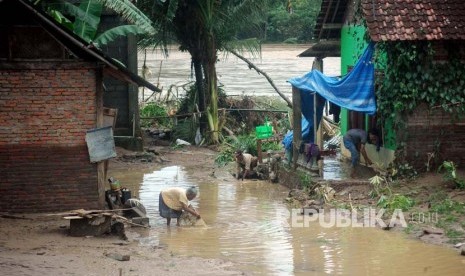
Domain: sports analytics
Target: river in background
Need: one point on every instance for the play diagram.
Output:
(279, 62)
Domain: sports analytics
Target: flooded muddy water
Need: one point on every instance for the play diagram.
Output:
(279, 62)
(248, 221)
(250, 225)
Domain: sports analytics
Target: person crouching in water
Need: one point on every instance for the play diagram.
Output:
(354, 141)
(173, 201)
(245, 164)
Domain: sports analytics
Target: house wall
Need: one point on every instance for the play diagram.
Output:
(352, 47)
(45, 110)
(433, 131)
(119, 94)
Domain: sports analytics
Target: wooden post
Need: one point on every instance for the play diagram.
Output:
(102, 166)
(259, 151)
(318, 133)
(133, 90)
(315, 121)
(297, 124)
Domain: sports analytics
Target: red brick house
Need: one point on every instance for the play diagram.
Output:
(439, 24)
(429, 129)
(50, 96)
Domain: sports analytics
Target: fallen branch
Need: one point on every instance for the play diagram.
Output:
(128, 221)
(231, 133)
(251, 65)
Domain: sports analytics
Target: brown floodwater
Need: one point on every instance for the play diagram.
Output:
(249, 224)
(279, 62)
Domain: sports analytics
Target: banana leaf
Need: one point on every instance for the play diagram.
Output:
(130, 13)
(116, 32)
(83, 27)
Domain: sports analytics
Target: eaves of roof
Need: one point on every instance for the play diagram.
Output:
(85, 50)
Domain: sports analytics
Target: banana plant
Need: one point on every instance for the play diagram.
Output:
(84, 19)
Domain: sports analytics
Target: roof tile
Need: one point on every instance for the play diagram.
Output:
(389, 20)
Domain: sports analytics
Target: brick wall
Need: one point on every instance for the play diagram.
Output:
(432, 130)
(45, 110)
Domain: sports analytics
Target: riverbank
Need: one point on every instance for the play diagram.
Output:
(431, 206)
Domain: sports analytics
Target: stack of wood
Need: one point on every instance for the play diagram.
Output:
(93, 214)
(81, 213)
(94, 222)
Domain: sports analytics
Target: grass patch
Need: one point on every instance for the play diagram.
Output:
(448, 206)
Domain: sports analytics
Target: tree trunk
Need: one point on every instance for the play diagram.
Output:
(212, 89)
(201, 94)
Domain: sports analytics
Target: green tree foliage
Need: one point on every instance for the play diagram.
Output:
(296, 22)
(84, 18)
(158, 112)
(203, 28)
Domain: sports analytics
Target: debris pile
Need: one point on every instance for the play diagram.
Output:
(96, 222)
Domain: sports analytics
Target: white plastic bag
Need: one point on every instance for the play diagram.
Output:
(182, 142)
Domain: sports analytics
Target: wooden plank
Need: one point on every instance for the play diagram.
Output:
(109, 117)
(82, 211)
(73, 217)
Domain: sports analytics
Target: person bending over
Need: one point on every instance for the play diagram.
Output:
(245, 164)
(173, 201)
(355, 140)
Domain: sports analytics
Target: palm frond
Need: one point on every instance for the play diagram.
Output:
(251, 46)
(131, 13)
(234, 14)
(172, 7)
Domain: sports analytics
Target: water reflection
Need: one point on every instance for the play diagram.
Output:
(154, 182)
(249, 224)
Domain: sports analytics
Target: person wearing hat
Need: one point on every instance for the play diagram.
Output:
(173, 201)
(245, 164)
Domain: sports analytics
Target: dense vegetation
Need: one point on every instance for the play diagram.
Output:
(288, 21)
(292, 23)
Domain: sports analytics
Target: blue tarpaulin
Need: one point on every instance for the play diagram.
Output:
(354, 91)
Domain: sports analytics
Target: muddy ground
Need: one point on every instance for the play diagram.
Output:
(436, 214)
(35, 244)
